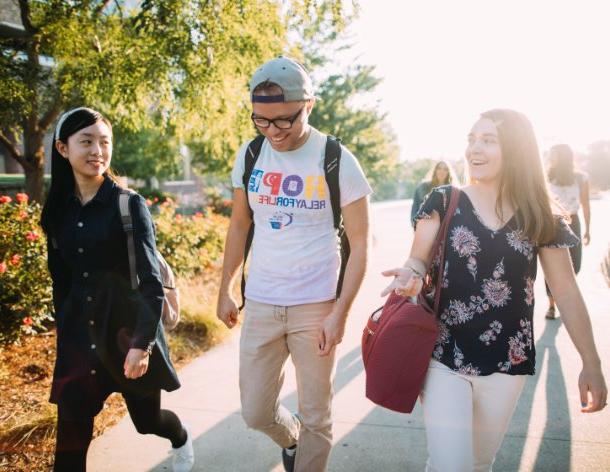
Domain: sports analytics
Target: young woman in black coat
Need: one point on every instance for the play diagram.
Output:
(109, 337)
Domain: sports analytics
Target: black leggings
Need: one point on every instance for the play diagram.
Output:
(74, 437)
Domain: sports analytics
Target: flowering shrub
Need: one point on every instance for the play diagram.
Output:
(218, 203)
(25, 285)
(190, 244)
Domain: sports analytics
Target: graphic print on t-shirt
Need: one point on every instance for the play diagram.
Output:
(287, 191)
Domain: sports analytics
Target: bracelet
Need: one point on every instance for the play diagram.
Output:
(415, 272)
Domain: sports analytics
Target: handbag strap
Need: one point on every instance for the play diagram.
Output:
(440, 244)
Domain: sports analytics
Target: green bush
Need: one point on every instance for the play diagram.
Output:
(191, 244)
(25, 284)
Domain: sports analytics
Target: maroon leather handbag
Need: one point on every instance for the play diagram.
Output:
(399, 337)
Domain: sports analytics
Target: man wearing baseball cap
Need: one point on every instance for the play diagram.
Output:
(291, 307)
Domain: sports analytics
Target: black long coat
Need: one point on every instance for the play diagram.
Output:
(99, 317)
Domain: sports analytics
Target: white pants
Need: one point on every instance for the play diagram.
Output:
(466, 417)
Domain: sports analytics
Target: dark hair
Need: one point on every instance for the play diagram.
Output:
(522, 182)
(62, 176)
(561, 168)
(267, 87)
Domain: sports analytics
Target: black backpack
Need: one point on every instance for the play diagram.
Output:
(332, 159)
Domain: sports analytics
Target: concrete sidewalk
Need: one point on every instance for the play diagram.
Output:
(547, 433)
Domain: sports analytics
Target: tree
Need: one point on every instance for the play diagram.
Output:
(181, 66)
(145, 153)
(363, 129)
(340, 110)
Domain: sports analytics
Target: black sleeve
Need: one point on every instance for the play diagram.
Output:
(436, 201)
(564, 236)
(418, 196)
(149, 276)
(60, 274)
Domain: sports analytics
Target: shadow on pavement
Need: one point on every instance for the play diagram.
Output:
(211, 446)
(554, 451)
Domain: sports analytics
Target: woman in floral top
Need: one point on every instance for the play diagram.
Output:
(502, 224)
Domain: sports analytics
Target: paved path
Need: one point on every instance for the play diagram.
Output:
(548, 433)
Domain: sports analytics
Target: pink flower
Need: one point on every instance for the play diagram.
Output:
(497, 292)
(155, 200)
(28, 321)
(5, 199)
(23, 215)
(3, 267)
(15, 260)
(22, 197)
(178, 217)
(464, 242)
(32, 236)
(149, 202)
(198, 215)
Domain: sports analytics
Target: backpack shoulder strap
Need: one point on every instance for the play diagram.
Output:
(127, 222)
(332, 164)
(332, 160)
(252, 153)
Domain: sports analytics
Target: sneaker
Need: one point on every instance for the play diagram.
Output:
(288, 459)
(184, 456)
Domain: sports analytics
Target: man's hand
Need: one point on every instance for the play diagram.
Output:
(227, 310)
(330, 332)
(136, 363)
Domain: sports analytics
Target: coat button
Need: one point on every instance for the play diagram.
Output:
(91, 322)
(85, 274)
(89, 299)
(81, 250)
(93, 346)
(93, 372)
(79, 224)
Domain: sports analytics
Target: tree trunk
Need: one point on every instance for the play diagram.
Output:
(34, 171)
(34, 182)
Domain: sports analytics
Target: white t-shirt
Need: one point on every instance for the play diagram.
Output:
(295, 250)
(568, 196)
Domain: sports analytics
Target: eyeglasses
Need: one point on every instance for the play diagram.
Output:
(280, 123)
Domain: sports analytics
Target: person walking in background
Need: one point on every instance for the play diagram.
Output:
(570, 189)
(281, 187)
(109, 337)
(503, 224)
(441, 174)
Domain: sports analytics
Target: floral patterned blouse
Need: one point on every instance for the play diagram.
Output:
(487, 299)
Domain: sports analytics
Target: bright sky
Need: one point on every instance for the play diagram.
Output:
(445, 61)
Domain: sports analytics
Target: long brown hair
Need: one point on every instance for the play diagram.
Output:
(561, 167)
(435, 182)
(522, 182)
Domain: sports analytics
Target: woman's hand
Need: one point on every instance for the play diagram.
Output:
(405, 283)
(586, 239)
(136, 363)
(593, 390)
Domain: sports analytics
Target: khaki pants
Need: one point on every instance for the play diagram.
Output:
(270, 333)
